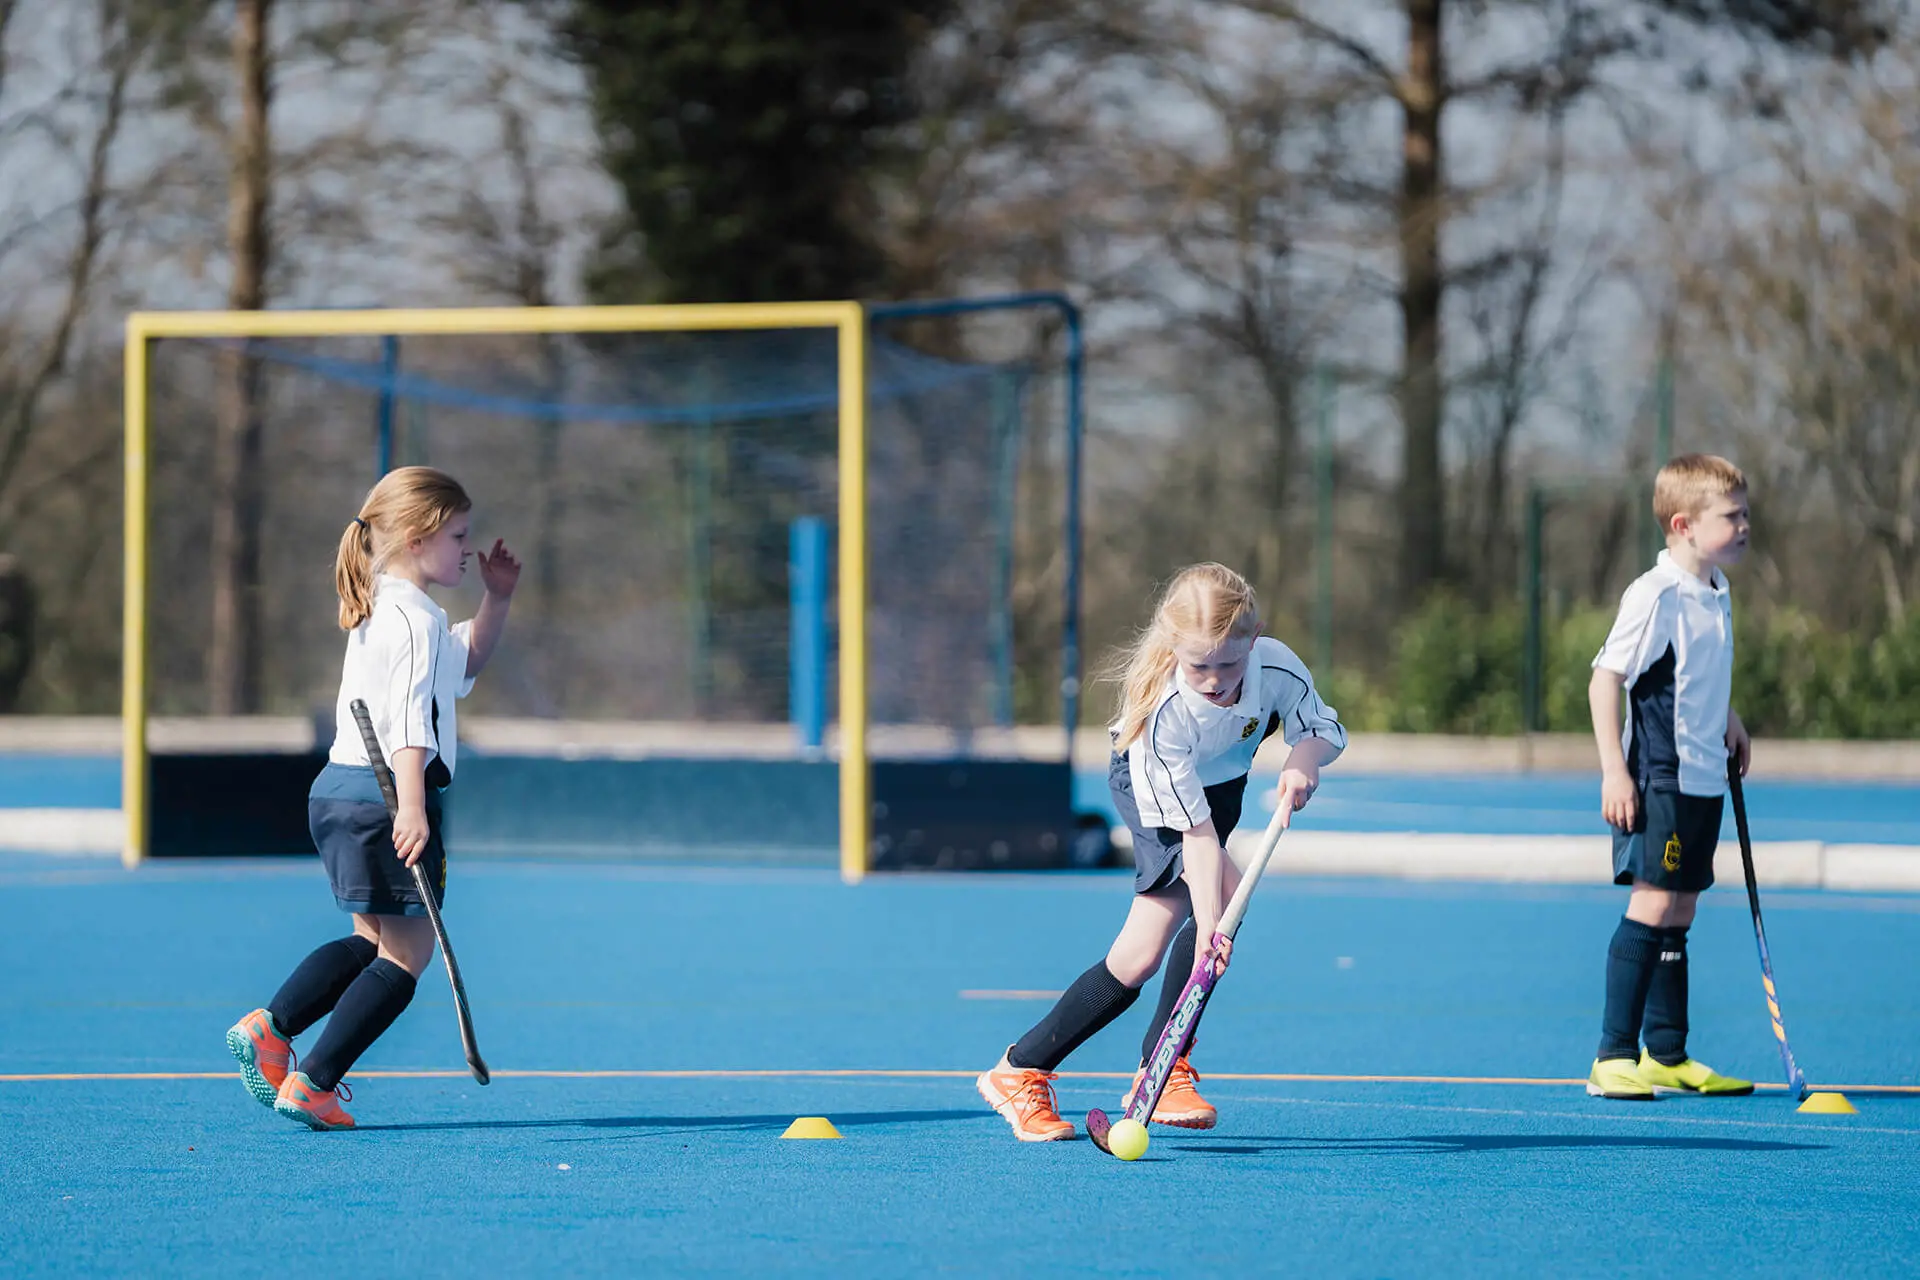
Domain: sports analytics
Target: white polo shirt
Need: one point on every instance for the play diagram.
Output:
(1190, 744)
(409, 667)
(1672, 644)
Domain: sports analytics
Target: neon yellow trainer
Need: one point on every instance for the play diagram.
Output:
(1618, 1078)
(1690, 1077)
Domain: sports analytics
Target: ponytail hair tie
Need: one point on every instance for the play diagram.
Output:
(362, 523)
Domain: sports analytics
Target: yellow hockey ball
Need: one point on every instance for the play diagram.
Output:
(1127, 1139)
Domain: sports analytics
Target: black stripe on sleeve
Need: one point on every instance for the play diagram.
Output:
(433, 709)
(1153, 732)
(1297, 678)
(413, 659)
(1300, 704)
(411, 655)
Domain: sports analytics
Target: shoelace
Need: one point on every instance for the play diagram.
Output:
(344, 1093)
(1038, 1091)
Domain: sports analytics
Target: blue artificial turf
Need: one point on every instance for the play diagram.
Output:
(611, 968)
(32, 781)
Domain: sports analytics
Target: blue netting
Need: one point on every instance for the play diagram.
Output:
(767, 385)
(650, 481)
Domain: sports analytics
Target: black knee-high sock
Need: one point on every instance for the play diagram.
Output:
(1179, 969)
(1631, 959)
(376, 998)
(313, 988)
(1665, 1026)
(1095, 999)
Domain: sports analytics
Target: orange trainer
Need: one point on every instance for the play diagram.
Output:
(265, 1056)
(1180, 1102)
(1024, 1096)
(314, 1107)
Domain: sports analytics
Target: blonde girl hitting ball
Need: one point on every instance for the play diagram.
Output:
(409, 667)
(1201, 690)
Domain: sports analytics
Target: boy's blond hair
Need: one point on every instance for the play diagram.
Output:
(1689, 482)
(1203, 605)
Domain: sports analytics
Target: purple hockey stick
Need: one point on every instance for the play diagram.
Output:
(1177, 1036)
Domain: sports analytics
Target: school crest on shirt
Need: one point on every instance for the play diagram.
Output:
(1248, 731)
(1670, 856)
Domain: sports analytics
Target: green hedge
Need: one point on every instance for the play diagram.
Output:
(1456, 669)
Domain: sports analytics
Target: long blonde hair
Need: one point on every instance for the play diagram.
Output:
(1205, 604)
(408, 503)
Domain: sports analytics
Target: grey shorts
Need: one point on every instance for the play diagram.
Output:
(1156, 850)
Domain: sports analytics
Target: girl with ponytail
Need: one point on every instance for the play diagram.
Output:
(1200, 690)
(409, 667)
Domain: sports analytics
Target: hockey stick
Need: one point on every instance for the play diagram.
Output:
(1177, 1036)
(1795, 1080)
(384, 776)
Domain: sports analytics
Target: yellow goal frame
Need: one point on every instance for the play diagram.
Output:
(847, 318)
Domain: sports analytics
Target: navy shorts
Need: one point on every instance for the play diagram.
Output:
(347, 818)
(1672, 842)
(1156, 850)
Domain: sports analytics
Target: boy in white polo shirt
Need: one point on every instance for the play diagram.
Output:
(1664, 778)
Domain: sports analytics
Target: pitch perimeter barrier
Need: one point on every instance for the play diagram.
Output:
(927, 815)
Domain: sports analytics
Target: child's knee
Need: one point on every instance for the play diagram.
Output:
(408, 942)
(1661, 908)
(1135, 957)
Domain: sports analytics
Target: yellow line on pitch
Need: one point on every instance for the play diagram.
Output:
(886, 1073)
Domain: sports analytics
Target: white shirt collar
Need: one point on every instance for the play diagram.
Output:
(395, 587)
(1246, 703)
(1717, 586)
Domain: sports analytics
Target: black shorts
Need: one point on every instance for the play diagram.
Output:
(1156, 850)
(1672, 842)
(347, 818)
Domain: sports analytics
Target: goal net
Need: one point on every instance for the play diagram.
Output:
(664, 487)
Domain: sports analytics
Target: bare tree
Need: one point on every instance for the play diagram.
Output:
(1423, 85)
(121, 52)
(1525, 311)
(333, 195)
(1001, 181)
(233, 645)
(501, 236)
(1807, 325)
(1228, 210)
(59, 433)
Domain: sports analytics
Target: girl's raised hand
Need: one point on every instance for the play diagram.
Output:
(499, 570)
